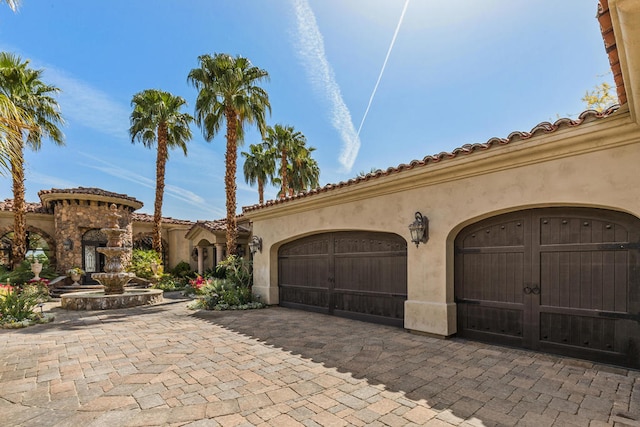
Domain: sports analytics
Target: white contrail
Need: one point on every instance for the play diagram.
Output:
(311, 49)
(384, 64)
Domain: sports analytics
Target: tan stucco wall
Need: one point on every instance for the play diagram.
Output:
(592, 165)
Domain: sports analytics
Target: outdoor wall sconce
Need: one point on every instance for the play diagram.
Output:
(255, 244)
(67, 245)
(419, 229)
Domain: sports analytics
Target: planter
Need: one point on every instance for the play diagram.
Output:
(36, 268)
(76, 278)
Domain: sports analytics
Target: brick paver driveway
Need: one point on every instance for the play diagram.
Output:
(166, 365)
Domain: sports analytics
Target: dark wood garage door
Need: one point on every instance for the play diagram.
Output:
(561, 280)
(361, 275)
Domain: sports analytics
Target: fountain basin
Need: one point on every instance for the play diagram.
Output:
(97, 300)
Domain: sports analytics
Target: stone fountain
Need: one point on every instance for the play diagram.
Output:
(113, 279)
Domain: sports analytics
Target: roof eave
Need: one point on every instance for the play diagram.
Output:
(625, 15)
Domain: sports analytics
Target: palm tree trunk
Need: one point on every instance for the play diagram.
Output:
(231, 158)
(161, 163)
(261, 191)
(19, 247)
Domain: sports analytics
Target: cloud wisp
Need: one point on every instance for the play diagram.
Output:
(89, 106)
(384, 65)
(311, 49)
(179, 193)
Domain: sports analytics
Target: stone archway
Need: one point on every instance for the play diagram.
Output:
(37, 239)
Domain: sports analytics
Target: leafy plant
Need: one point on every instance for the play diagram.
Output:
(169, 283)
(238, 270)
(75, 270)
(182, 269)
(22, 273)
(16, 305)
(141, 260)
(223, 294)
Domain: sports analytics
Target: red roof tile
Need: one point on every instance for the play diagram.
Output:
(88, 191)
(608, 36)
(7, 206)
(143, 217)
(540, 129)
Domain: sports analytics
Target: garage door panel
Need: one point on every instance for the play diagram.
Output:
(582, 331)
(316, 299)
(305, 272)
(568, 229)
(386, 274)
(490, 322)
(580, 277)
(356, 274)
(493, 277)
(506, 233)
(369, 306)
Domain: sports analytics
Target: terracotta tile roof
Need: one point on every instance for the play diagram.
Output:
(7, 206)
(86, 191)
(608, 36)
(216, 226)
(143, 217)
(467, 149)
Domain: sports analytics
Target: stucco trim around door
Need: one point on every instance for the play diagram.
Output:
(355, 274)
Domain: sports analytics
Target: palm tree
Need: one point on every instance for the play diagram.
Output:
(13, 121)
(24, 88)
(297, 170)
(305, 172)
(259, 167)
(156, 116)
(228, 91)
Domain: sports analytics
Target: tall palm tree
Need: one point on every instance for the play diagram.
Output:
(13, 121)
(24, 88)
(229, 91)
(290, 146)
(305, 172)
(259, 167)
(155, 117)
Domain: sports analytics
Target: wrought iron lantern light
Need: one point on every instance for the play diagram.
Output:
(419, 229)
(255, 245)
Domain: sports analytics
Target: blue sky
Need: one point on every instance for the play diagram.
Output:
(458, 72)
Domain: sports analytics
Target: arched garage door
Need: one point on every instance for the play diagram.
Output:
(361, 275)
(561, 280)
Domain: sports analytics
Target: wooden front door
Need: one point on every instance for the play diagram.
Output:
(561, 280)
(361, 275)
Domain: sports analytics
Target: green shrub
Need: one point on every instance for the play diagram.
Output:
(238, 270)
(141, 260)
(16, 305)
(169, 283)
(22, 273)
(182, 269)
(222, 294)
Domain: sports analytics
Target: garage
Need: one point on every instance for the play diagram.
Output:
(559, 280)
(356, 274)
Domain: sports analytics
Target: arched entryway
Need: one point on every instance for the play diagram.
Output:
(356, 274)
(560, 280)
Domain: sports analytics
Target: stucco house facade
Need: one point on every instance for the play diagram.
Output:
(533, 239)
